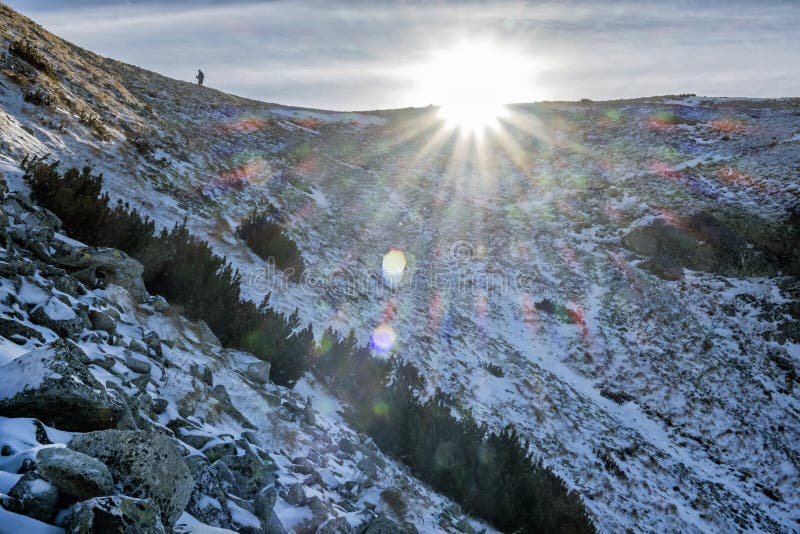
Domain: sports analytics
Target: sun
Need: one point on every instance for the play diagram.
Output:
(472, 83)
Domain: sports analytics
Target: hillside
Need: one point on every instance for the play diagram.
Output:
(618, 280)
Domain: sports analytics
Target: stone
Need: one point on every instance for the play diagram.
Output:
(153, 342)
(145, 464)
(34, 497)
(379, 525)
(58, 317)
(11, 329)
(244, 474)
(309, 417)
(207, 337)
(272, 524)
(159, 303)
(368, 466)
(338, 525)
(346, 446)
(160, 405)
(102, 321)
(219, 449)
(96, 266)
(296, 495)
(53, 384)
(208, 499)
(138, 365)
(117, 514)
(74, 473)
(258, 372)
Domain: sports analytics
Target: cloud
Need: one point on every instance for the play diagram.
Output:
(356, 55)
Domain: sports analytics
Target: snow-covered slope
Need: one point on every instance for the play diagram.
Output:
(668, 402)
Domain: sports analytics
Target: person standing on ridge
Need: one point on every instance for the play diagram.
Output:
(200, 77)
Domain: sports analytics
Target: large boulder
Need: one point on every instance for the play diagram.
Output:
(258, 372)
(58, 317)
(53, 384)
(96, 266)
(243, 474)
(145, 464)
(102, 321)
(114, 514)
(208, 502)
(380, 525)
(337, 525)
(74, 473)
(35, 497)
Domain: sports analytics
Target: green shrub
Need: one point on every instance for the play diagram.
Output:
(264, 235)
(27, 51)
(39, 97)
(95, 124)
(178, 266)
(491, 474)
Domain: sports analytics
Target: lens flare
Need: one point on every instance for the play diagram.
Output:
(393, 266)
(383, 338)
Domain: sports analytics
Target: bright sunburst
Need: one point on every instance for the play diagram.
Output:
(472, 82)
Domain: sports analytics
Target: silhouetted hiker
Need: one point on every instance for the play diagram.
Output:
(200, 77)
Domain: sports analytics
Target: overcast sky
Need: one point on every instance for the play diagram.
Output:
(364, 55)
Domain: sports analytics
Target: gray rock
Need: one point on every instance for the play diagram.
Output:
(296, 495)
(146, 464)
(380, 525)
(160, 405)
(272, 524)
(159, 303)
(206, 335)
(346, 446)
(243, 475)
(208, 500)
(258, 372)
(34, 497)
(138, 365)
(218, 450)
(153, 342)
(102, 321)
(11, 329)
(74, 473)
(309, 417)
(58, 317)
(118, 514)
(97, 266)
(368, 466)
(338, 525)
(53, 384)
(69, 285)
(136, 346)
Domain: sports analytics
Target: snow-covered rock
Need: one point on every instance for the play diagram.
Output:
(74, 473)
(115, 514)
(145, 464)
(53, 384)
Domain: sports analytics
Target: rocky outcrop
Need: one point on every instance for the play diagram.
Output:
(34, 496)
(74, 473)
(58, 317)
(115, 514)
(258, 372)
(96, 266)
(53, 384)
(145, 464)
(701, 242)
(380, 525)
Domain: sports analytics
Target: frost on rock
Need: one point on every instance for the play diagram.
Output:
(53, 384)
